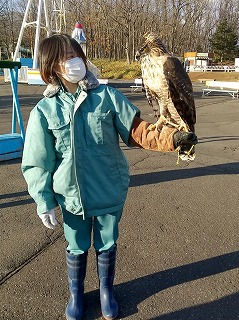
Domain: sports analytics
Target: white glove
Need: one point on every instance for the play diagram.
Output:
(49, 219)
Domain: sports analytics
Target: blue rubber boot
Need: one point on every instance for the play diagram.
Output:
(106, 271)
(76, 268)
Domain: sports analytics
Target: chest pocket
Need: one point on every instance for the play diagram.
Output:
(60, 127)
(100, 129)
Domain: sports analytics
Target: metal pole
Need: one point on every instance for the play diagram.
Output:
(46, 18)
(22, 30)
(37, 35)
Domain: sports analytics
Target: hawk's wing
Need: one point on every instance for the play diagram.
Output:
(181, 89)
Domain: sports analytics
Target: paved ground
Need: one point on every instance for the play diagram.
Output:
(178, 252)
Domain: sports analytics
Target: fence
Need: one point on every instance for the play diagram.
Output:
(196, 68)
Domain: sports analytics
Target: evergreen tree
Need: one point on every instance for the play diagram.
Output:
(224, 41)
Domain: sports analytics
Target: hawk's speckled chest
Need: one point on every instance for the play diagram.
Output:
(153, 73)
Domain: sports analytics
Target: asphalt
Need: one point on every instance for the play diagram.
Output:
(178, 254)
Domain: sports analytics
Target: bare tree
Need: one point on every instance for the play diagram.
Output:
(114, 28)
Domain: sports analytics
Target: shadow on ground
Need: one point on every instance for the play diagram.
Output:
(157, 177)
(133, 292)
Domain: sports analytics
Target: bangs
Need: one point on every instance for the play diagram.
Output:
(59, 46)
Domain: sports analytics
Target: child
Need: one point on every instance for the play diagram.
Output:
(72, 159)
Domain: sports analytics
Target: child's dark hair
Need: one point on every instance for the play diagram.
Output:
(53, 50)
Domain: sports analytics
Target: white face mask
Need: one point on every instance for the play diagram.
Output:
(75, 70)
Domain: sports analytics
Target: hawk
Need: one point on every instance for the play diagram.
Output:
(167, 83)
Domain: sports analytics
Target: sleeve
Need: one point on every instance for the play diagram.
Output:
(39, 183)
(141, 136)
(38, 162)
(39, 146)
(125, 113)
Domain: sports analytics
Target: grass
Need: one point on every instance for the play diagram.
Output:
(122, 70)
(118, 69)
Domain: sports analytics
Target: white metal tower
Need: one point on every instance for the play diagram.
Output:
(58, 16)
(58, 23)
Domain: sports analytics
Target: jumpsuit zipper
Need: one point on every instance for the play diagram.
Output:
(82, 96)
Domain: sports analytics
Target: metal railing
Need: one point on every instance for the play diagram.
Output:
(195, 68)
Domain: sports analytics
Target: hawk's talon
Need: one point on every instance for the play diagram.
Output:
(152, 127)
(158, 124)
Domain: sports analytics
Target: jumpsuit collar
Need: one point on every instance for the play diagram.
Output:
(89, 82)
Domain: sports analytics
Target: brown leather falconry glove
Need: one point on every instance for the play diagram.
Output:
(141, 136)
(166, 140)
